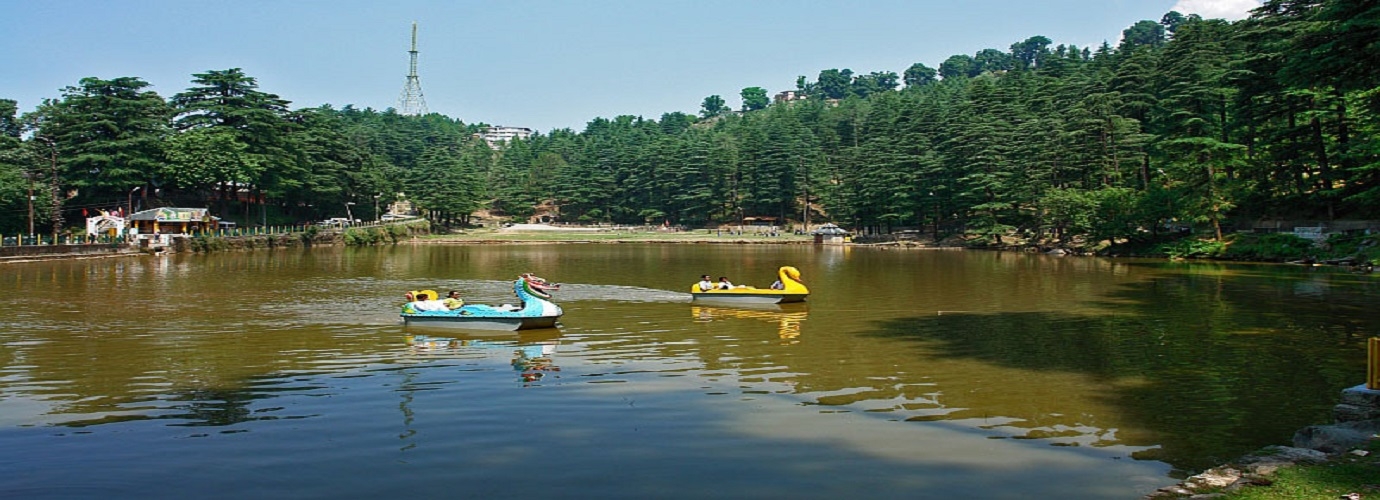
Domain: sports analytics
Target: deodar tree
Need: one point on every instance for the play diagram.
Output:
(1185, 123)
(107, 135)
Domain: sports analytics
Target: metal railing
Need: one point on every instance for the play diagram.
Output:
(24, 240)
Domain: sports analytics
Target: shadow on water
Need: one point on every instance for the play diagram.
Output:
(228, 402)
(1206, 369)
(196, 408)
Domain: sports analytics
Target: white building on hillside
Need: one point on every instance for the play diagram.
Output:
(495, 134)
(788, 96)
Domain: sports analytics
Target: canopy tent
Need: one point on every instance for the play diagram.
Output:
(830, 230)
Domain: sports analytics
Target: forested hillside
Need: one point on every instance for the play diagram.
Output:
(1186, 122)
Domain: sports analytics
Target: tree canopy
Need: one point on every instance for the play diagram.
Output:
(1187, 121)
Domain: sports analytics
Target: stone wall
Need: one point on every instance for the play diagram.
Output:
(42, 251)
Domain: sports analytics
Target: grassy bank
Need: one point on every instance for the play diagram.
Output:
(1341, 476)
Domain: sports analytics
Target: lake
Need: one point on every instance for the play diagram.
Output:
(907, 373)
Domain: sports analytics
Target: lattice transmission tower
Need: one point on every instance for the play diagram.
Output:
(411, 102)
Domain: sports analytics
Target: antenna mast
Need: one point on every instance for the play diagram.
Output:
(412, 102)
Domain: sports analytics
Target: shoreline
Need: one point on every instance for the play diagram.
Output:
(421, 234)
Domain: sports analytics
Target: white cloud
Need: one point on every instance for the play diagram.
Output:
(1231, 10)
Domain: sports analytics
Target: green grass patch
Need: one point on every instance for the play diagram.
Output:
(1345, 474)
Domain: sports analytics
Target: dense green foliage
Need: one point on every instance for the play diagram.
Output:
(1187, 123)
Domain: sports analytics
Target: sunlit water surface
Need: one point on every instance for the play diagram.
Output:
(922, 374)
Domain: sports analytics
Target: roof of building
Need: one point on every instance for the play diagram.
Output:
(171, 214)
(829, 230)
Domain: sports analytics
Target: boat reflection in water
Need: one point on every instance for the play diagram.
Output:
(787, 317)
(529, 353)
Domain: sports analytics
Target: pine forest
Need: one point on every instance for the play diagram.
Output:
(1185, 126)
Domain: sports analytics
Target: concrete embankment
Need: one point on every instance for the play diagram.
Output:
(32, 253)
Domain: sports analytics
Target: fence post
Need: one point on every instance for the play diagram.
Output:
(1373, 364)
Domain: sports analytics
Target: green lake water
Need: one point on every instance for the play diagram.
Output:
(919, 374)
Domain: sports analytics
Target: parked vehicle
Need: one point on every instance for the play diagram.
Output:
(337, 222)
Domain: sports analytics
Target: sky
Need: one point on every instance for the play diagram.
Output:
(541, 64)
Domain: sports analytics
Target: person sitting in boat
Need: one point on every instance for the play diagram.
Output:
(705, 284)
(539, 283)
(423, 302)
(778, 285)
(724, 284)
(452, 300)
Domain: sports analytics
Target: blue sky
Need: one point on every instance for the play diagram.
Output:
(543, 64)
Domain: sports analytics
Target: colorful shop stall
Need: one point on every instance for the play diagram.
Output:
(168, 220)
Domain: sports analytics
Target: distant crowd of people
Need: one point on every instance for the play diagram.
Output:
(770, 232)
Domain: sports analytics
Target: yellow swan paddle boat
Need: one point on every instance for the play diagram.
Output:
(792, 291)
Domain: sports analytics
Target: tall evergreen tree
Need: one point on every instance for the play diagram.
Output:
(918, 75)
(108, 135)
(713, 106)
(231, 100)
(754, 98)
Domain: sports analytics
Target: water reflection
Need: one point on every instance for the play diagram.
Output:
(530, 352)
(787, 322)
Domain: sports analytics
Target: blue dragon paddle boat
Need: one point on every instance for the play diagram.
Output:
(534, 311)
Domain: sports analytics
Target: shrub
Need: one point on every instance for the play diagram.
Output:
(1359, 248)
(1273, 247)
(309, 235)
(208, 244)
(1191, 248)
(358, 237)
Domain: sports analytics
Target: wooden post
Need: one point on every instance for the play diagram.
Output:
(1373, 364)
